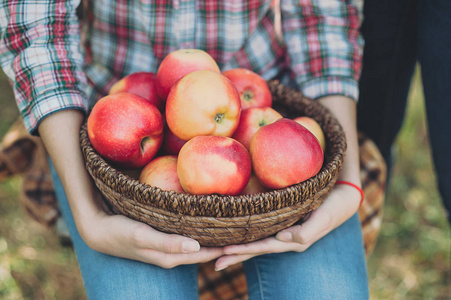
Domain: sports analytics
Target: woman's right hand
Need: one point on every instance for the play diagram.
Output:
(120, 236)
(115, 235)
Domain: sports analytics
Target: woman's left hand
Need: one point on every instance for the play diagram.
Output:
(340, 205)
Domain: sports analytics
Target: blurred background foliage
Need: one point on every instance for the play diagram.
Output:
(411, 259)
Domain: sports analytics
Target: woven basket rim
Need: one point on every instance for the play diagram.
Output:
(216, 205)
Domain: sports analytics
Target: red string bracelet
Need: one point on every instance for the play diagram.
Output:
(354, 186)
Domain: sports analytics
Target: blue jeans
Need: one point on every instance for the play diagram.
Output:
(398, 34)
(333, 268)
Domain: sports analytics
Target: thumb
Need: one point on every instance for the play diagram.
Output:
(316, 226)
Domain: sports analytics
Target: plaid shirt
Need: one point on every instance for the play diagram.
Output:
(40, 51)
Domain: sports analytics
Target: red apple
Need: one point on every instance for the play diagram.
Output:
(254, 186)
(251, 120)
(141, 84)
(162, 172)
(203, 103)
(314, 128)
(171, 143)
(126, 129)
(253, 89)
(179, 63)
(285, 153)
(213, 165)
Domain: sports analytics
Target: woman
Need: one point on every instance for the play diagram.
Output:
(56, 83)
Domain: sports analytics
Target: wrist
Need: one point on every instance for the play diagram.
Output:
(355, 186)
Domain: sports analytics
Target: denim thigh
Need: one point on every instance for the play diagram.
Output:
(332, 268)
(434, 44)
(109, 277)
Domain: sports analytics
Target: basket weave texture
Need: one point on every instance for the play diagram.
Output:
(219, 220)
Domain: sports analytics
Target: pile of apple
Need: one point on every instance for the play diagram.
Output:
(193, 129)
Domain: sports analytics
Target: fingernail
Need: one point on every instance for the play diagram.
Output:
(217, 269)
(190, 246)
(285, 236)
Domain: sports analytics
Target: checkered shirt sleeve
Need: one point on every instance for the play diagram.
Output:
(39, 52)
(324, 45)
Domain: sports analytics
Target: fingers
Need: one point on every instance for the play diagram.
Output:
(240, 253)
(139, 235)
(337, 208)
(228, 260)
(257, 247)
(268, 245)
(144, 236)
(170, 260)
(317, 226)
(169, 250)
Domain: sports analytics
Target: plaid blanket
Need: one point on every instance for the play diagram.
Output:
(23, 154)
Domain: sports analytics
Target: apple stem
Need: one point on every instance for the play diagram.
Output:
(248, 95)
(219, 117)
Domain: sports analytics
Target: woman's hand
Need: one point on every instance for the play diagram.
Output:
(340, 205)
(110, 234)
(120, 236)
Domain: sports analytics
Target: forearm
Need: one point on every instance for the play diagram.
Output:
(344, 110)
(60, 135)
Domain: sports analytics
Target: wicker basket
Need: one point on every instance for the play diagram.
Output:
(219, 220)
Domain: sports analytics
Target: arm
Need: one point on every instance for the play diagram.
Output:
(325, 54)
(342, 202)
(40, 54)
(112, 234)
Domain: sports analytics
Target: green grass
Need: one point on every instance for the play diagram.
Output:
(33, 264)
(410, 261)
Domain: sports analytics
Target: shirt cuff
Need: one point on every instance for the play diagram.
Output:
(49, 103)
(326, 86)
